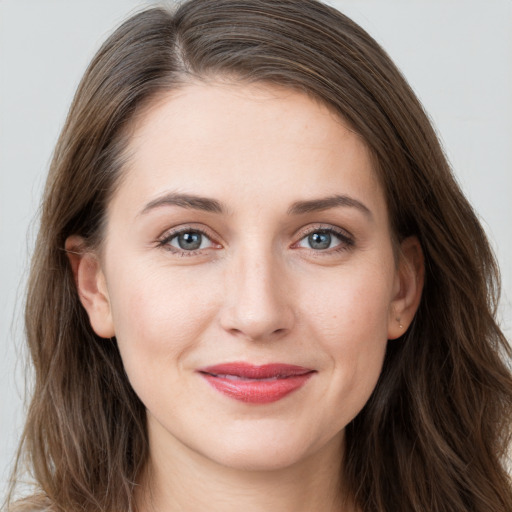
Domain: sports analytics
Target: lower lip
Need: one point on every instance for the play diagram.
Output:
(257, 391)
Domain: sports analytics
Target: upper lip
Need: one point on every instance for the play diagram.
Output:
(250, 371)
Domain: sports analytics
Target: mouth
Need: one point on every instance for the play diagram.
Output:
(256, 384)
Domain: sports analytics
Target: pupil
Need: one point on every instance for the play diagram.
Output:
(189, 241)
(319, 240)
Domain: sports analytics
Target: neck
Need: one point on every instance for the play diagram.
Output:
(180, 479)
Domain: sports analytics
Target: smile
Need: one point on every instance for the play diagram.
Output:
(256, 384)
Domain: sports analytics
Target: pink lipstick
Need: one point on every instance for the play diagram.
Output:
(256, 384)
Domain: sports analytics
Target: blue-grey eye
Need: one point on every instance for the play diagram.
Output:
(321, 240)
(189, 241)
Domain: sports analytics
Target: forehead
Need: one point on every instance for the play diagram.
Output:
(264, 142)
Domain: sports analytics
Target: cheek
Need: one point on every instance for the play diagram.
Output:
(353, 304)
(157, 320)
(349, 318)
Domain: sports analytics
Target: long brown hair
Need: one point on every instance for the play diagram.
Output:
(435, 433)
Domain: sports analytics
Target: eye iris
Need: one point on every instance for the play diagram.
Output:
(190, 241)
(319, 240)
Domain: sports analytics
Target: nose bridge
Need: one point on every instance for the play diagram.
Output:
(258, 303)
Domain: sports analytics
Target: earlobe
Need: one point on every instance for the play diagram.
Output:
(410, 279)
(91, 286)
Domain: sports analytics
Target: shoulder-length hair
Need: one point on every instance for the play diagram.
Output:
(435, 432)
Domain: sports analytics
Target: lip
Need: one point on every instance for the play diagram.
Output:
(256, 384)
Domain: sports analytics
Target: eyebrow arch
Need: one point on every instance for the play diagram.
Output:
(316, 205)
(185, 201)
(212, 205)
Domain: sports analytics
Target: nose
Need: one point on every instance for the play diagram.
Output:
(258, 300)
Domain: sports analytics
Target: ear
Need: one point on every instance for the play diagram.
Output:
(408, 287)
(91, 286)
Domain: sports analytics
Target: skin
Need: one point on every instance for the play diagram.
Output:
(256, 291)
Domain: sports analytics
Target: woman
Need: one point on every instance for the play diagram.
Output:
(257, 284)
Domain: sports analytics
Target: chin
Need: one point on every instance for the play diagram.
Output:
(271, 451)
(262, 459)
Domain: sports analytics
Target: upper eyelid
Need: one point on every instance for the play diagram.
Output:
(172, 232)
(324, 227)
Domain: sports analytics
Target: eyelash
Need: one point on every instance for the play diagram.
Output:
(347, 242)
(165, 240)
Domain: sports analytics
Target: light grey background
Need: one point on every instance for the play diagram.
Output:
(457, 55)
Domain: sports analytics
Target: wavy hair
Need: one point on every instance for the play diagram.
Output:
(434, 434)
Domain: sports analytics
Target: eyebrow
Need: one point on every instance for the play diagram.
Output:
(317, 205)
(213, 206)
(185, 201)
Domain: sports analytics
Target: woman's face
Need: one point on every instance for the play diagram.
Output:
(249, 230)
